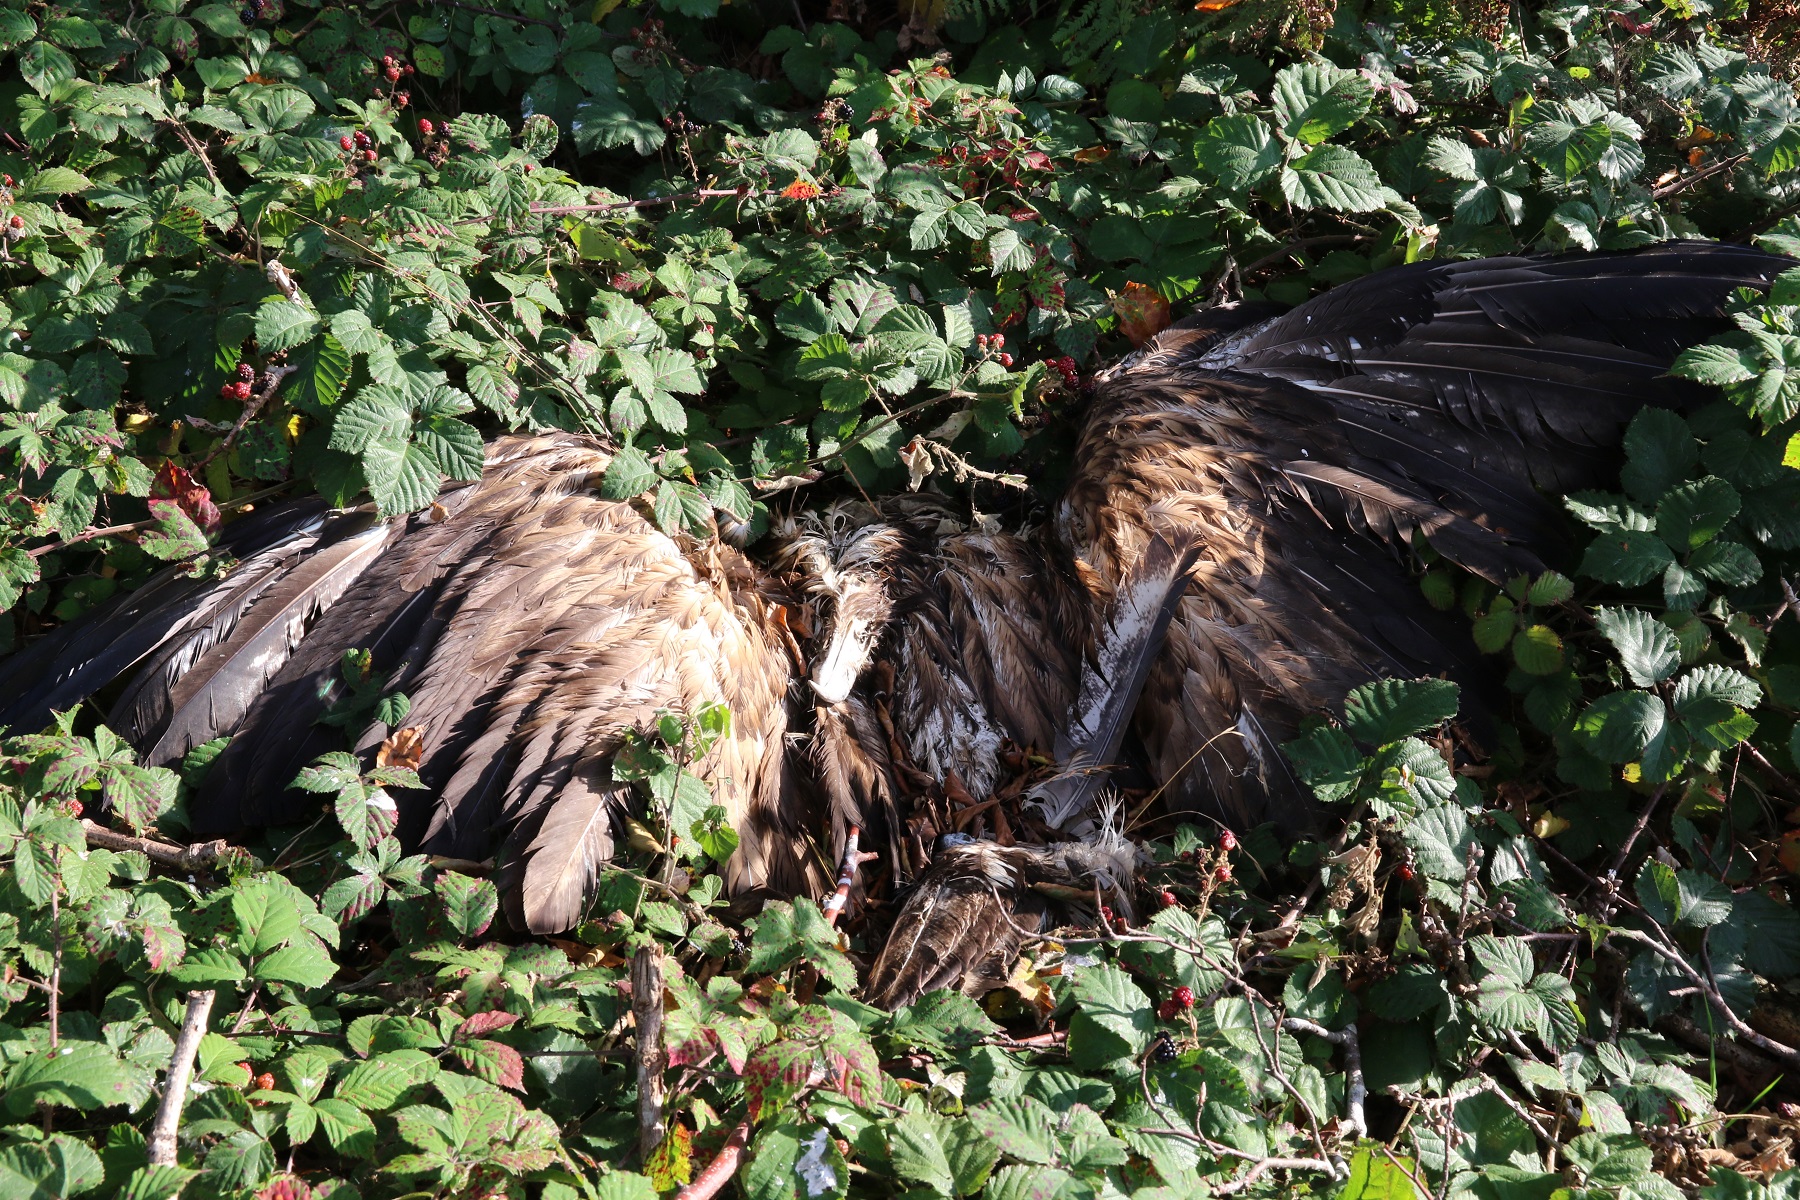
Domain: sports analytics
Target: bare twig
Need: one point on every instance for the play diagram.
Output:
(504, 16)
(181, 1070)
(185, 858)
(1674, 958)
(1687, 181)
(1492, 1086)
(1263, 1166)
(90, 534)
(647, 1012)
(1618, 862)
(187, 138)
(719, 1171)
(237, 1026)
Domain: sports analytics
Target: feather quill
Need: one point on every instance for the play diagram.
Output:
(1128, 647)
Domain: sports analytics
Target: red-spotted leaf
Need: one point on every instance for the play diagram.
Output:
(776, 1073)
(671, 1164)
(495, 1062)
(482, 1024)
(163, 945)
(173, 483)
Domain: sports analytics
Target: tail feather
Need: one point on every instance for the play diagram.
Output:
(65, 667)
(218, 691)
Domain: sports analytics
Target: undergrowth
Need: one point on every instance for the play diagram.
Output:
(278, 248)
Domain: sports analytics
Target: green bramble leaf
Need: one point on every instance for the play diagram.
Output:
(1332, 177)
(1314, 101)
(1390, 709)
(1646, 646)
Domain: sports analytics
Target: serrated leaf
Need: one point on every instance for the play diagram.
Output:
(1538, 650)
(1240, 151)
(1112, 1019)
(1692, 514)
(1646, 646)
(283, 325)
(1335, 178)
(1617, 727)
(1389, 709)
(1313, 101)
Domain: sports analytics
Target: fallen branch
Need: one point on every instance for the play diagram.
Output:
(647, 1013)
(181, 1071)
(185, 858)
(719, 1171)
(1356, 1091)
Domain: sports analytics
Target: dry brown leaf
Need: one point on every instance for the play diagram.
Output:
(404, 748)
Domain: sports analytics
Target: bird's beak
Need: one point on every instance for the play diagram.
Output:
(835, 674)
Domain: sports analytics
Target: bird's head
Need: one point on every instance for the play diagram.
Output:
(845, 556)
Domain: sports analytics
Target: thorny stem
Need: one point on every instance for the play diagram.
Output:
(88, 535)
(55, 962)
(181, 1070)
(237, 1026)
(719, 1171)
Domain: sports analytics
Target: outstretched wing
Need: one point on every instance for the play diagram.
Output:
(532, 623)
(1437, 400)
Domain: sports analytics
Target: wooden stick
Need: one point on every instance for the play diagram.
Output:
(647, 1011)
(719, 1171)
(185, 858)
(181, 1071)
